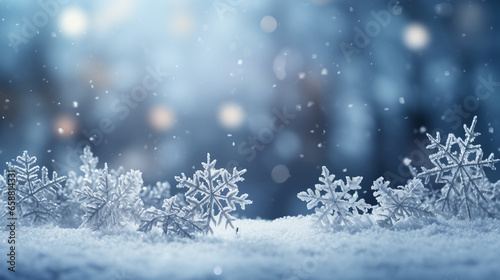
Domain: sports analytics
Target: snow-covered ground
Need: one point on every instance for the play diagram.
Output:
(287, 248)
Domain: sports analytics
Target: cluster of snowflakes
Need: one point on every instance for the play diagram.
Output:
(108, 199)
(458, 167)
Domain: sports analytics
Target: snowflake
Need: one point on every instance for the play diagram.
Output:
(459, 165)
(213, 193)
(154, 195)
(174, 220)
(36, 196)
(339, 200)
(70, 209)
(4, 192)
(400, 203)
(114, 203)
(90, 171)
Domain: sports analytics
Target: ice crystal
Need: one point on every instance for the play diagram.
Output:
(400, 203)
(156, 194)
(114, 203)
(339, 200)
(37, 200)
(213, 193)
(459, 165)
(174, 220)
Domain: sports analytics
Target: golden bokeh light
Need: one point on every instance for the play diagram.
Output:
(231, 115)
(64, 126)
(161, 118)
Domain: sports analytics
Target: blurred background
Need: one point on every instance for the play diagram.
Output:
(279, 88)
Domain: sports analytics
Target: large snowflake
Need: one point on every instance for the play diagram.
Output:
(213, 193)
(399, 203)
(459, 165)
(339, 200)
(114, 203)
(37, 196)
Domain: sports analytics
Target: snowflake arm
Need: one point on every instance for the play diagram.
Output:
(173, 220)
(400, 203)
(154, 195)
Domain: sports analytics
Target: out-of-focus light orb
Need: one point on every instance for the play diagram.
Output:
(469, 17)
(181, 24)
(64, 126)
(231, 115)
(268, 24)
(444, 9)
(112, 13)
(73, 21)
(217, 270)
(416, 37)
(280, 173)
(161, 118)
(287, 145)
(321, 2)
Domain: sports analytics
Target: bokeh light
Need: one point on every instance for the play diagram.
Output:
(161, 118)
(181, 24)
(73, 21)
(416, 37)
(64, 126)
(280, 173)
(268, 24)
(231, 115)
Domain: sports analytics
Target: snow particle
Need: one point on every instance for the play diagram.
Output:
(324, 72)
(401, 100)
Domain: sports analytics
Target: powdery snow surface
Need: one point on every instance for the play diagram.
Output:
(287, 248)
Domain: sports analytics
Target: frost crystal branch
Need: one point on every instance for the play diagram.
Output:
(213, 193)
(400, 203)
(156, 194)
(339, 200)
(174, 220)
(37, 196)
(114, 203)
(459, 165)
(90, 171)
